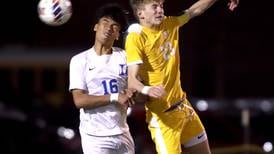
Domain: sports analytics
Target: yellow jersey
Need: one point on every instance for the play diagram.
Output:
(157, 51)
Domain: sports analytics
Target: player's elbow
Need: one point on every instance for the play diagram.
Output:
(78, 103)
(79, 98)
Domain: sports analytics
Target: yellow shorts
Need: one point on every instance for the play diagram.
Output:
(170, 130)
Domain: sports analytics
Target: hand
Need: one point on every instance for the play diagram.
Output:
(233, 4)
(156, 91)
(125, 97)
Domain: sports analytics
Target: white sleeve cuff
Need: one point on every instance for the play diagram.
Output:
(145, 90)
(114, 97)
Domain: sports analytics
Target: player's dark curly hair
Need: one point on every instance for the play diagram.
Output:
(115, 12)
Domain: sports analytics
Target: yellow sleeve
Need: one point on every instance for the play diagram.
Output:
(183, 19)
(133, 47)
(176, 21)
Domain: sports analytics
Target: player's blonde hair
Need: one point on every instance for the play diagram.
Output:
(138, 4)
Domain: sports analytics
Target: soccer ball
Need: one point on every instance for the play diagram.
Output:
(54, 12)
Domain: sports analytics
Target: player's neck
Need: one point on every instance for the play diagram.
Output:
(101, 49)
(149, 26)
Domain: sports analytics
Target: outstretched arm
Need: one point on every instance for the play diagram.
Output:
(199, 7)
(202, 5)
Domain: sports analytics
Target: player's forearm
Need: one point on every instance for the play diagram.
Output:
(134, 79)
(82, 100)
(199, 7)
(134, 83)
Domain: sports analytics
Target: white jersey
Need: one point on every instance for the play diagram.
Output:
(100, 75)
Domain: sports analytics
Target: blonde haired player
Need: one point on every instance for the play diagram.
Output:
(153, 55)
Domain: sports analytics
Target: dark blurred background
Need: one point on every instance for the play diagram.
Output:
(227, 70)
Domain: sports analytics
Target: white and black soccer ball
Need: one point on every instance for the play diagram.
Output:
(54, 12)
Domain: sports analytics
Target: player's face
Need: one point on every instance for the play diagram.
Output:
(107, 30)
(151, 14)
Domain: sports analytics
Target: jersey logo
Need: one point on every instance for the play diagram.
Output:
(91, 68)
(200, 136)
(167, 49)
(123, 70)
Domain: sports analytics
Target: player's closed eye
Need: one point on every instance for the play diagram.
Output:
(108, 23)
(116, 27)
(154, 6)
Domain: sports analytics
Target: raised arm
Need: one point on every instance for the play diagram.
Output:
(202, 5)
(199, 7)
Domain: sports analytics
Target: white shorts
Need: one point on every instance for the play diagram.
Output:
(116, 144)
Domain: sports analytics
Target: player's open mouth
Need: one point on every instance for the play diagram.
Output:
(159, 18)
(107, 34)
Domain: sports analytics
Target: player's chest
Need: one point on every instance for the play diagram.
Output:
(106, 69)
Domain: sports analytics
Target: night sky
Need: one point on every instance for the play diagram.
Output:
(224, 54)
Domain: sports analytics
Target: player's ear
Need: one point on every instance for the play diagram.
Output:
(95, 27)
(117, 36)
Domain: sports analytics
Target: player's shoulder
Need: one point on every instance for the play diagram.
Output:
(134, 28)
(80, 56)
